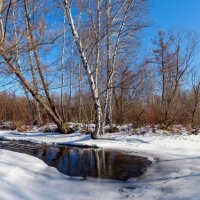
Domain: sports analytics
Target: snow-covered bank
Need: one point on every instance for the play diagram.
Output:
(175, 176)
(23, 177)
(157, 145)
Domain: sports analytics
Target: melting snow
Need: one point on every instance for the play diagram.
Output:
(175, 176)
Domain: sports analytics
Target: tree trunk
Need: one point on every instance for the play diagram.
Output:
(39, 67)
(35, 84)
(18, 63)
(93, 87)
(36, 96)
(106, 114)
(80, 92)
(70, 83)
(63, 68)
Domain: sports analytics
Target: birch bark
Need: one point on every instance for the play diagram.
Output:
(93, 87)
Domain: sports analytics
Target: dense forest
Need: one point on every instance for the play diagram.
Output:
(82, 61)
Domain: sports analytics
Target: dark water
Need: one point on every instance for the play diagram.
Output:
(84, 162)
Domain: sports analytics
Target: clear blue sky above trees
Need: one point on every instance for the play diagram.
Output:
(181, 13)
(170, 15)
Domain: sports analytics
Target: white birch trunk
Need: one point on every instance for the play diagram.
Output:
(2, 31)
(91, 80)
(107, 105)
(98, 38)
(112, 61)
(70, 82)
(63, 68)
(80, 91)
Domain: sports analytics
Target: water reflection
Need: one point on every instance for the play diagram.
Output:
(84, 162)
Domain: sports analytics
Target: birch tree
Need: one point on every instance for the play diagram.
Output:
(119, 25)
(9, 56)
(102, 40)
(88, 70)
(63, 67)
(123, 22)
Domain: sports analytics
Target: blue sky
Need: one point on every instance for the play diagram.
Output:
(170, 15)
(181, 13)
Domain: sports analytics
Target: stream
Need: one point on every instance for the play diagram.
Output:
(83, 162)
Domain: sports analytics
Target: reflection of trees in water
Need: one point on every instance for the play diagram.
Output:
(84, 162)
(77, 162)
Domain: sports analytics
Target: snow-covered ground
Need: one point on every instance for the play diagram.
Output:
(23, 177)
(175, 176)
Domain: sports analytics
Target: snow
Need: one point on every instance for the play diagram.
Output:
(175, 176)
(26, 177)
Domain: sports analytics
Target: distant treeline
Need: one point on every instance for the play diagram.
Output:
(81, 61)
(136, 112)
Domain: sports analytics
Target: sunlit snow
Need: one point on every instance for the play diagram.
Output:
(174, 174)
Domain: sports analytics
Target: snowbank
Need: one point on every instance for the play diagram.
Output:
(176, 176)
(26, 177)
